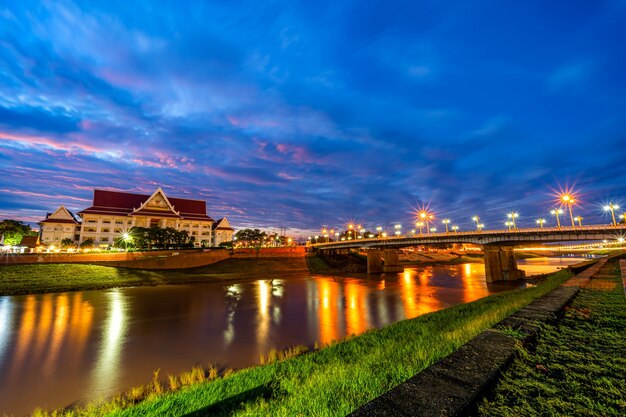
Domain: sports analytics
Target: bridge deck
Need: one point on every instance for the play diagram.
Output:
(488, 237)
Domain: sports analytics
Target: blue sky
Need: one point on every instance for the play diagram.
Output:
(303, 114)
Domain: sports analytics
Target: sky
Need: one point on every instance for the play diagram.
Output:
(304, 114)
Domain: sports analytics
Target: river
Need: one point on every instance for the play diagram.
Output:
(62, 348)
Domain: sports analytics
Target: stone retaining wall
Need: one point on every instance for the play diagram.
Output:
(166, 259)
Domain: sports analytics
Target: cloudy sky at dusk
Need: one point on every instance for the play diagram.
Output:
(302, 114)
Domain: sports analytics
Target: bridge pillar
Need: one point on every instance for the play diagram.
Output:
(500, 264)
(392, 261)
(383, 260)
(374, 261)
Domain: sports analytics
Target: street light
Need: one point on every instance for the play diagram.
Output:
(557, 212)
(419, 225)
(455, 228)
(126, 238)
(540, 222)
(446, 222)
(579, 219)
(433, 229)
(508, 224)
(398, 227)
(513, 215)
(379, 229)
(612, 207)
(568, 200)
(337, 236)
(476, 219)
(480, 226)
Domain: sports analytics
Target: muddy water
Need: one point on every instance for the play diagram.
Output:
(57, 349)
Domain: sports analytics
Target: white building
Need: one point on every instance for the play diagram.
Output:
(114, 213)
(222, 232)
(62, 224)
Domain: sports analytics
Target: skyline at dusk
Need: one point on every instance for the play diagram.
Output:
(300, 115)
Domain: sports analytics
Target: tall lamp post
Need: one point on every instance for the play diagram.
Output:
(568, 200)
(612, 207)
(513, 215)
(476, 219)
(446, 222)
(540, 222)
(557, 212)
(455, 228)
(579, 219)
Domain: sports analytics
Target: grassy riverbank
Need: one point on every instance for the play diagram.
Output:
(337, 379)
(579, 364)
(44, 278)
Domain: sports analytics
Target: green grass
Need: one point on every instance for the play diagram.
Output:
(43, 278)
(339, 378)
(578, 367)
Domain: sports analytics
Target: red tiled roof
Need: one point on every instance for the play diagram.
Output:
(155, 213)
(29, 241)
(58, 221)
(120, 203)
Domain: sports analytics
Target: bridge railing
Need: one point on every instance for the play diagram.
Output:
(500, 232)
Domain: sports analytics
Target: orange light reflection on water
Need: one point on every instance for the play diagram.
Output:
(327, 311)
(356, 309)
(418, 299)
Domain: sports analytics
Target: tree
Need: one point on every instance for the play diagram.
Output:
(67, 243)
(14, 230)
(87, 243)
(250, 237)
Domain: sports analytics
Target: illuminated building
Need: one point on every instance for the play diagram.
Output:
(114, 213)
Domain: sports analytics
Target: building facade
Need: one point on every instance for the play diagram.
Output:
(62, 224)
(114, 213)
(222, 232)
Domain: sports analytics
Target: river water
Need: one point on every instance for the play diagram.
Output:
(62, 348)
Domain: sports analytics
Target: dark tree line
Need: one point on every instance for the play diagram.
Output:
(156, 237)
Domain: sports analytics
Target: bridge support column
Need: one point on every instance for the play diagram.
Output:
(500, 264)
(383, 260)
(374, 261)
(392, 261)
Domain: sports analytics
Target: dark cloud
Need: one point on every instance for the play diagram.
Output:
(300, 114)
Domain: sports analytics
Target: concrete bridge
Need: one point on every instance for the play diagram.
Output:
(500, 264)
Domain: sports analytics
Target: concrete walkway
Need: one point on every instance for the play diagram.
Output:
(451, 386)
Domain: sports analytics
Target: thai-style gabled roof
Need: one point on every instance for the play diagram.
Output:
(61, 215)
(222, 224)
(116, 203)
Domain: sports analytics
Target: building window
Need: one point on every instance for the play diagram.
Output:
(119, 222)
(105, 239)
(186, 225)
(106, 221)
(118, 230)
(91, 221)
(105, 230)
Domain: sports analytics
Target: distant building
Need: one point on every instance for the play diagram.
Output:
(62, 224)
(114, 213)
(222, 232)
(28, 244)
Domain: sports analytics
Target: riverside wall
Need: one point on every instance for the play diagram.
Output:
(163, 259)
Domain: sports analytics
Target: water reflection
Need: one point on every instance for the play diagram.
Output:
(96, 343)
(107, 367)
(6, 313)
